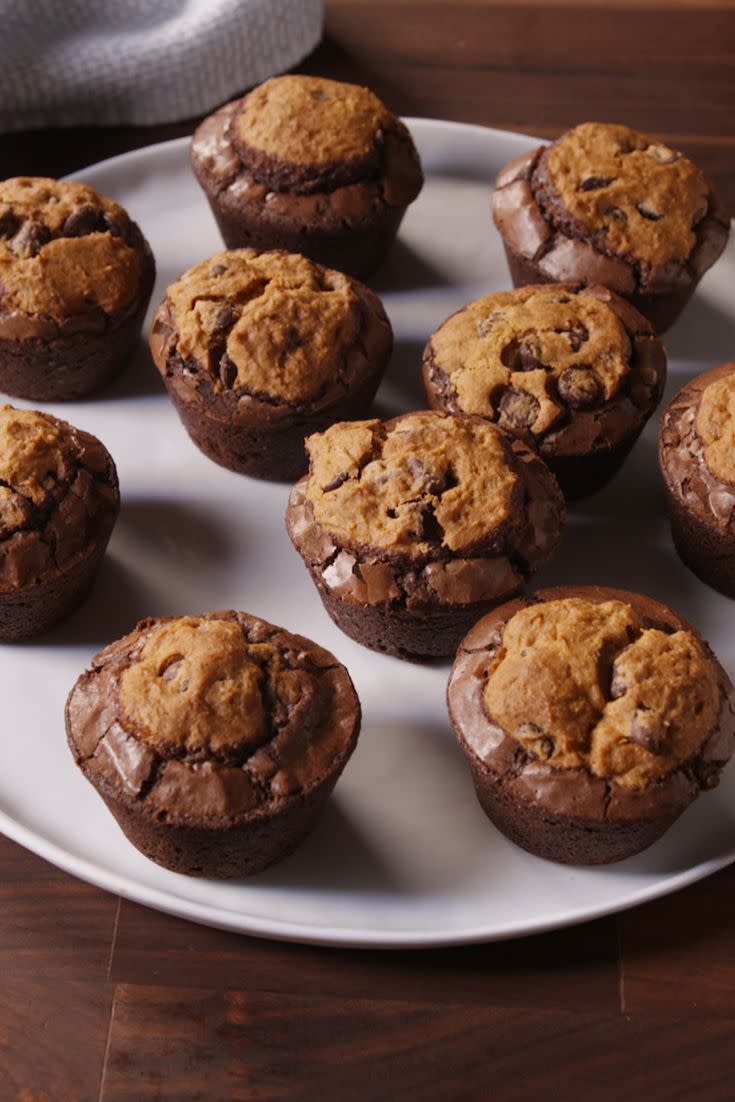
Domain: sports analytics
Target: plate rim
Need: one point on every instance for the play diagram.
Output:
(306, 932)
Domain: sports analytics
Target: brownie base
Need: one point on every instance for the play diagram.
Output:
(274, 451)
(707, 550)
(661, 309)
(28, 612)
(581, 476)
(562, 838)
(69, 367)
(415, 636)
(222, 852)
(356, 250)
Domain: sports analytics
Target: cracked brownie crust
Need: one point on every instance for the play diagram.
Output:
(257, 350)
(573, 371)
(412, 528)
(309, 165)
(605, 204)
(696, 439)
(214, 740)
(591, 718)
(75, 279)
(58, 503)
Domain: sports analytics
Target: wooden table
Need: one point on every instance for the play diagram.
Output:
(103, 999)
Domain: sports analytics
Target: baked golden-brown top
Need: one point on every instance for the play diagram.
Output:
(38, 454)
(643, 197)
(310, 121)
(65, 250)
(583, 684)
(533, 351)
(199, 684)
(402, 485)
(58, 491)
(715, 425)
(273, 322)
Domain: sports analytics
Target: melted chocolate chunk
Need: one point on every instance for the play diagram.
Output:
(579, 387)
(30, 239)
(83, 221)
(518, 408)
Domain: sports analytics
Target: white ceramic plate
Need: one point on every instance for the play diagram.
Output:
(404, 855)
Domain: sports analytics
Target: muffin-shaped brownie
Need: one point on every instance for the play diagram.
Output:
(591, 718)
(605, 204)
(76, 276)
(309, 165)
(697, 458)
(257, 350)
(412, 528)
(574, 371)
(58, 503)
(214, 740)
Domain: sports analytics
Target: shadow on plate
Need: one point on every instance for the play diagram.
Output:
(405, 270)
(336, 856)
(428, 833)
(703, 332)
(402, 389)
(181, 532)
(620, 537)
(117, 601)
(153, 538)
(138, 379)
(705, 832)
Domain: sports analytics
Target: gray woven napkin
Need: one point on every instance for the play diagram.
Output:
(141, 61)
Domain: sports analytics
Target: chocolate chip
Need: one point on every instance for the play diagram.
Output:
(651, 215)
(537, 743)
(518, 409)
(30, 239)
(484, 325)
(84, 220)
(225, 319)
(510, 354)
(645, 731)
(616, 214)
(577, 335)
(579, 387)
(519, 356)
(227, 372)
(431, 482)
(113, 225)
(336, 482)
(529, 360)
(592, 183)
(9, 223)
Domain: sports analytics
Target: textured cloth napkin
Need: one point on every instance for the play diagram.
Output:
(141, 61)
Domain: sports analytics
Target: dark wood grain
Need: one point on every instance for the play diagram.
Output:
(194, 1045)
(51, 924)
(679, 952)
(53, 1039)
(105, 1001)
(580, 965)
